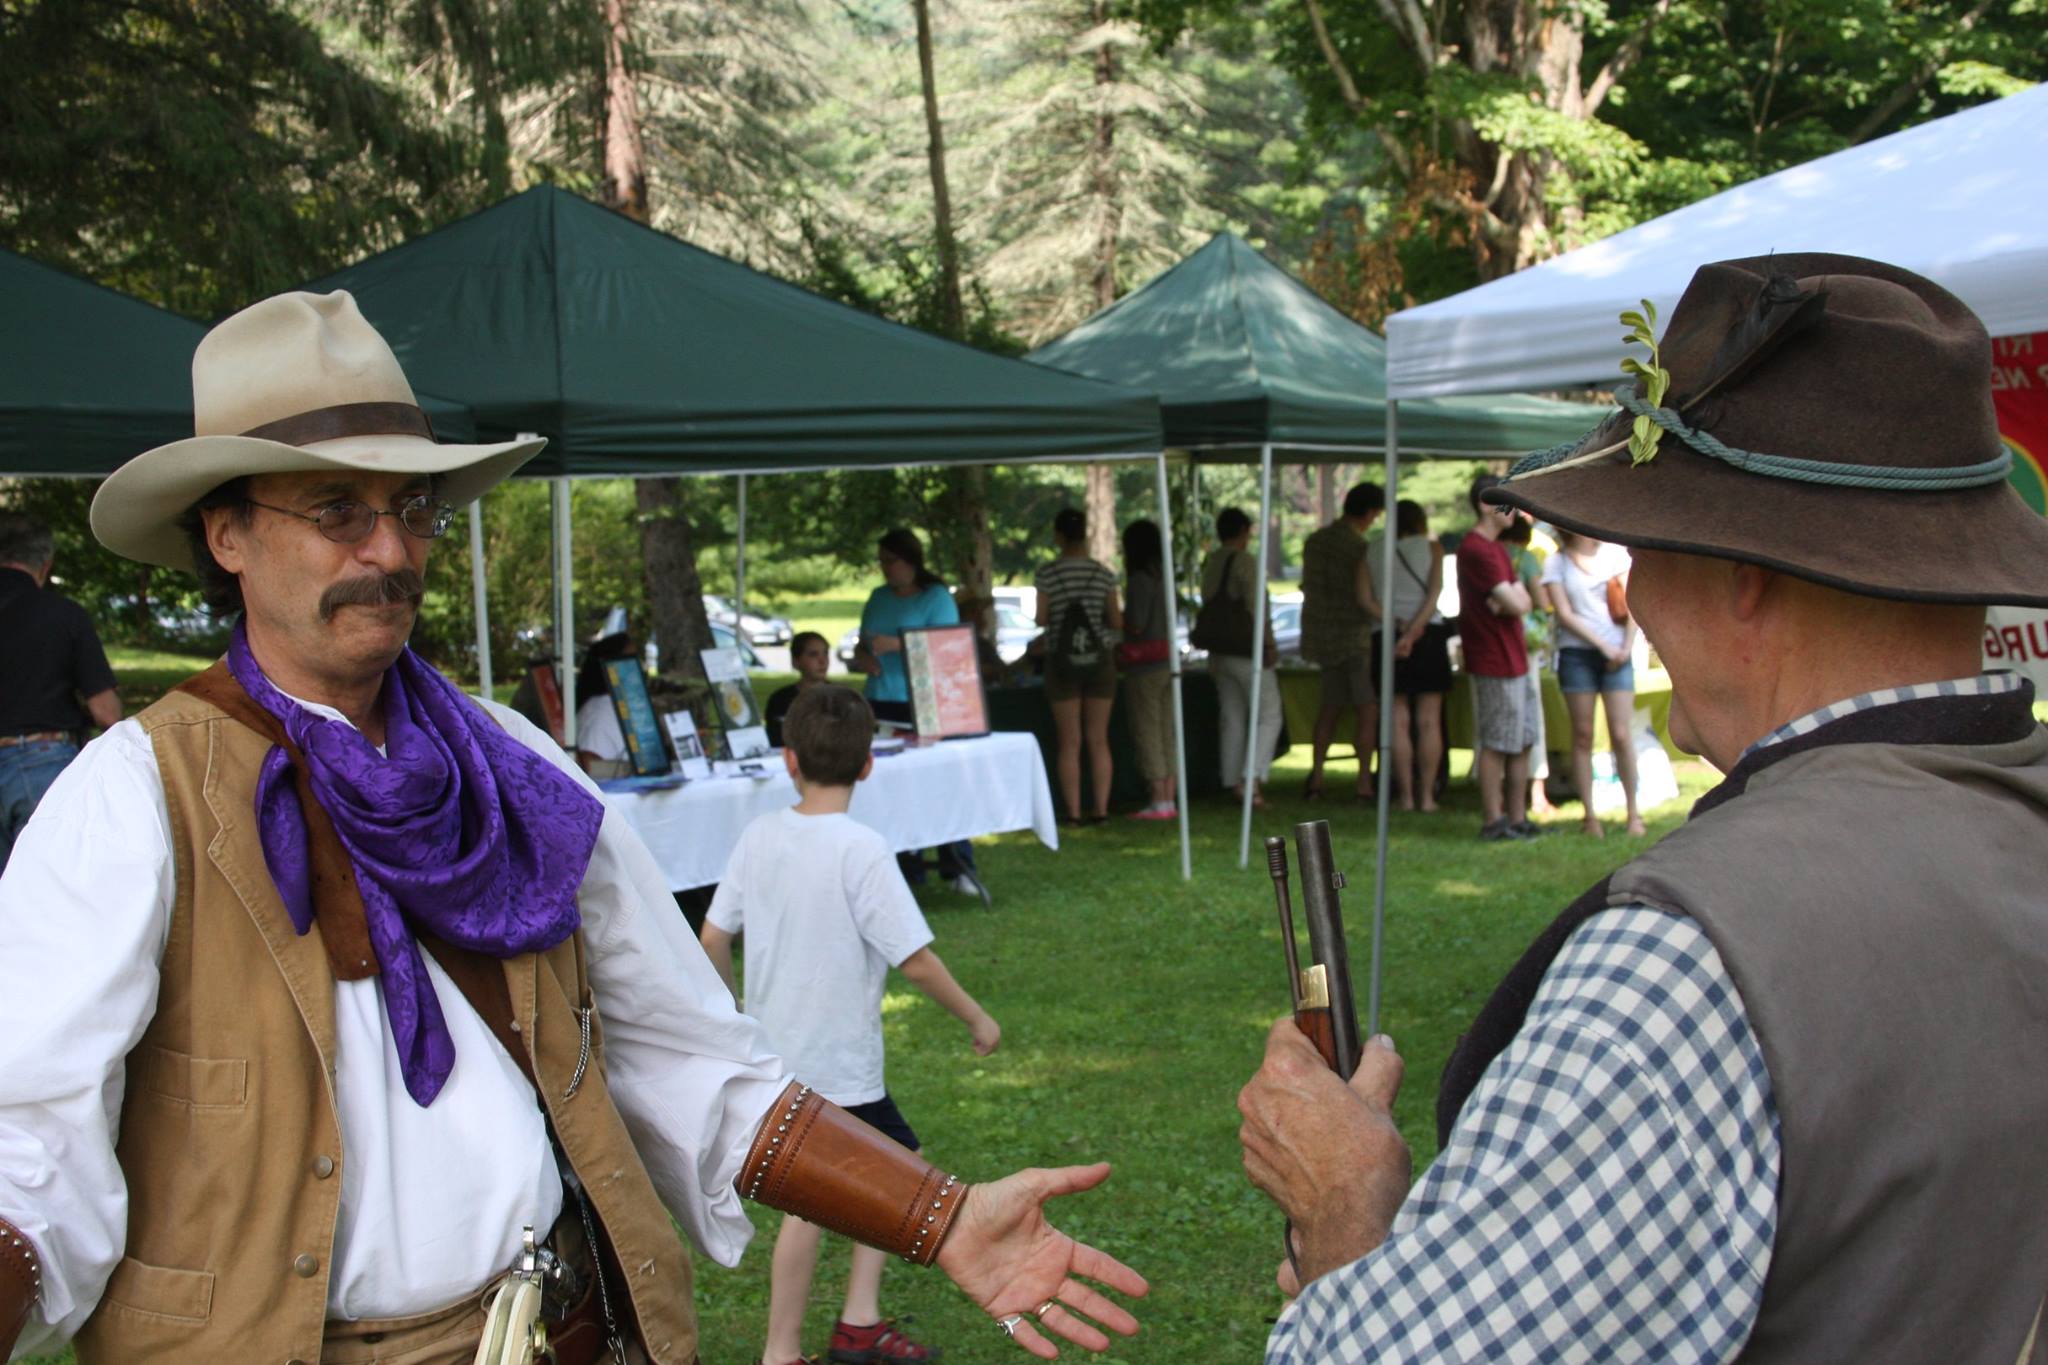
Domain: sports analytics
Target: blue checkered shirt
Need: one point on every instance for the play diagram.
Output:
(1610, 1189)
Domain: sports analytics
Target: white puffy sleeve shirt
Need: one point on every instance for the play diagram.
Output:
(85, 907)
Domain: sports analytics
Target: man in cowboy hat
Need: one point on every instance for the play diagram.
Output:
(1774, 1088)
(287, 959)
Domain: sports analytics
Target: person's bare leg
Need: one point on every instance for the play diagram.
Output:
(1489, 764)
(1621, 716)
(789, 1289)
(1095, 718)
(1517, 787)
(864, 1287)
(1066, 719)
(1581, 705)
(1325, 731)
(1429, 747)
(1366, 740)
(1404, 756)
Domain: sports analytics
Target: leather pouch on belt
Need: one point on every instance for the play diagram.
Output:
(815, 1160)
(21, 1280)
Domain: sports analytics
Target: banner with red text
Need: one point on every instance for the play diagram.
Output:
(2016, 638)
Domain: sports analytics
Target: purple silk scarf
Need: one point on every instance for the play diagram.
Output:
(457, 829)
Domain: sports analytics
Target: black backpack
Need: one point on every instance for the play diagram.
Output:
(1076, 644)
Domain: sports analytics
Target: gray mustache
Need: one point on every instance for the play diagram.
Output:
(372, 590)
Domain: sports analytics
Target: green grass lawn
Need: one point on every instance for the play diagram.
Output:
(1134, 1005)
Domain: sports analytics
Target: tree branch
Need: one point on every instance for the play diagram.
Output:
(1346, 86)
(1881, 114)
(1624, 57)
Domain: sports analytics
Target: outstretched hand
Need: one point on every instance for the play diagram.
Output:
(1326, 1151)
(1006, 1257)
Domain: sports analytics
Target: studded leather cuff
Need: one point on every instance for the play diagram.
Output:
(21, 1281)
(815, 1160)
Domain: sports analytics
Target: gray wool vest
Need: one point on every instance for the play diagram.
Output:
(1878, 890)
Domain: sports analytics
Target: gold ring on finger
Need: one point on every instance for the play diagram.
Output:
(1044, 1308)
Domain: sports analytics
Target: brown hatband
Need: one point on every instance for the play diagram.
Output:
(346, 419)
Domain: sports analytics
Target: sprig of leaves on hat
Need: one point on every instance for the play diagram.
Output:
(1654, 381)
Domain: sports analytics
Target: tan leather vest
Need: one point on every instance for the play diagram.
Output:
(228, 1138)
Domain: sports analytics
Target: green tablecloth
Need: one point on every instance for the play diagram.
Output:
(1301, 696)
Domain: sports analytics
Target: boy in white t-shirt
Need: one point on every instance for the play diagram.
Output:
(827, 913)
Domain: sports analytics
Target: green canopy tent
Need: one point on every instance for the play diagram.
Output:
(637, 354)
(1244, 357)
(90, 377)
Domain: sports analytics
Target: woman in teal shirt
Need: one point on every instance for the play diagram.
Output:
(910, 595)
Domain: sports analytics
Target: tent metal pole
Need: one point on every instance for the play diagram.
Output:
(1180, 739)
(565, 611)
(480, 604)
(1251, 720)
(1386, 686)
(739, 562)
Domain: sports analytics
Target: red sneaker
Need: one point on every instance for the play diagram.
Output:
(877, 1344)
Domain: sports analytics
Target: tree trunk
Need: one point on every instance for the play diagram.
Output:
(622, 151)
(966, 486)
(952, 317)
(675, 596)
(668, 549)
(1101, 488)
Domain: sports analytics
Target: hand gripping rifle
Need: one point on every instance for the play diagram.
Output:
(1321, 993)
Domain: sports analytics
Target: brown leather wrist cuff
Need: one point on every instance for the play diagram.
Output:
(21, 1281)
(815, 1160)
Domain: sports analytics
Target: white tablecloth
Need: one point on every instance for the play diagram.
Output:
(917, 798)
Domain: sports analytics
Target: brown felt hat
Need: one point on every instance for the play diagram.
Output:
(1827, 386)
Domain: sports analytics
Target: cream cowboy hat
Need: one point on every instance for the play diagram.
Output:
(296, 382)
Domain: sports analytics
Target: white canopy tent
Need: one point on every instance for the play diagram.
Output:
(1962, 200)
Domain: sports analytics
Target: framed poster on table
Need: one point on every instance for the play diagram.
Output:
(637, 721)
(944, 664)
(739, 715)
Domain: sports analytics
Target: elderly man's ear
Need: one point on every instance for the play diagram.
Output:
(225, 527)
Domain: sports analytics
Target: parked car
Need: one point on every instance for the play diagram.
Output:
(1286, 613)
(721, 635)
(761, 630)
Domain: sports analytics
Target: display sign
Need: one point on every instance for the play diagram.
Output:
(682, 737)
(637, 721)
(946, 696)
(549, 690)
(2016, 638)
(732, 696)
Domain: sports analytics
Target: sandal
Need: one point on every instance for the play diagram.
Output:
(1312, 790)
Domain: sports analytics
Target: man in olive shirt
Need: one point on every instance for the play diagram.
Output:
(56, 681)
(1338, 614)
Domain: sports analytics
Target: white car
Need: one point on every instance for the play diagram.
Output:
(761, 630)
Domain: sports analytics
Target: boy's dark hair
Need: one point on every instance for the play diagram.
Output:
(804, 637)
(1364, 500)
(1480, 485)
(1231, 523)
(1410, 519)
(25, 541)
(1071, 525)
(831, 730)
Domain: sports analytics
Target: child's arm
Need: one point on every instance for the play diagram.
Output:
(718, 947)
(929, 975)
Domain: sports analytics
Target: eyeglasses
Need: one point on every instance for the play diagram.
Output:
(348, 521)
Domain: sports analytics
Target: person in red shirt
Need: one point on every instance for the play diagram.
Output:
(1506, 704)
